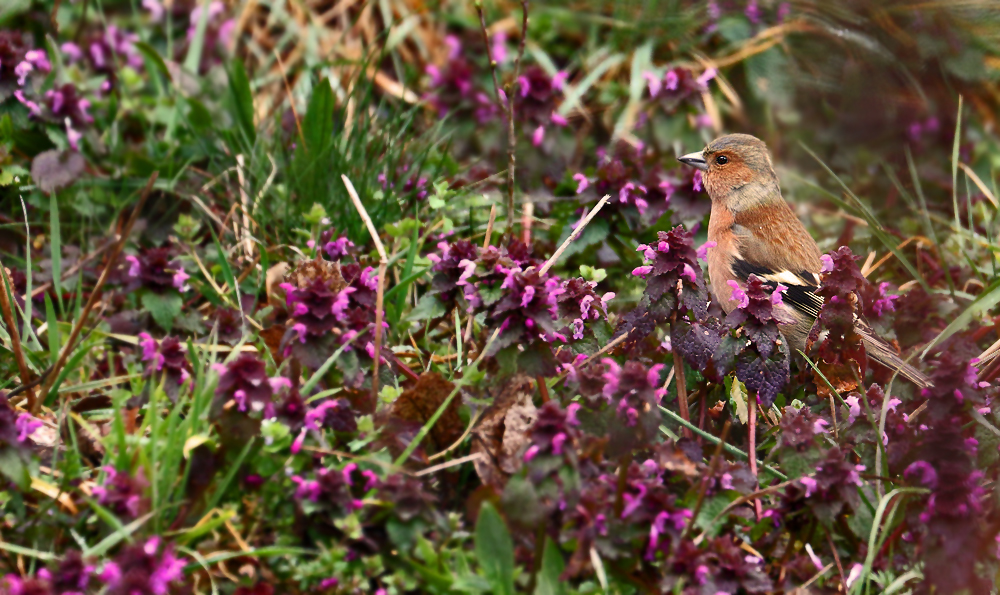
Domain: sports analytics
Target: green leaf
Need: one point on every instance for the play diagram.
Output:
(495, 550)
(427, 308)
(13, 468)
(552, 567)
(193, 58)
(242, 98)
(163, 307)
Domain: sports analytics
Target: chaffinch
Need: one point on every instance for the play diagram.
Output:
(756, 232)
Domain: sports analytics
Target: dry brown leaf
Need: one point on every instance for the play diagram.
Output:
(490, 437)
(418, 404)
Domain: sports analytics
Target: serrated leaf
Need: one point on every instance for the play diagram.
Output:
(427, 308)
(163, 307)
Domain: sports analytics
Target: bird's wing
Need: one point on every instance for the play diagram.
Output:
(802, 285)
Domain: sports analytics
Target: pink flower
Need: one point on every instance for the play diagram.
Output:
(454, 46)
(155, 9)
(524, 84)
(642, 271)
(607, 297)
(33, 108)
(827, 261)
(653, 82)
(531, 453)
(26, 426)
(739, 296)
(696, 181)
(527, 296)
(689, 274)
(180, 280)
(809, 484)
(499, 50)
(558, 119)
(538, 135)
(653, 375)
(72, 52)
(134, 266)
(703, 250)
(557, 443)
(559, 80)
(571, 414)
(706, 76)
(854, 408)
(647, 252)
(671, 80)
(776, 294)
(72, 135)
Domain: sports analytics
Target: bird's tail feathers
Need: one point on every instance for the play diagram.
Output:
(887, 356)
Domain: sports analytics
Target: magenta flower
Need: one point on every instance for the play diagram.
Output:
(582, 182)
(739, 296)
(26, 426)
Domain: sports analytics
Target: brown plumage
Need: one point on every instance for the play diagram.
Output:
(755, 231)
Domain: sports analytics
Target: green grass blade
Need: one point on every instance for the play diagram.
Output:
(989, 298)
(55, 248)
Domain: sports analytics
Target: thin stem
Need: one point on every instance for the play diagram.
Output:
(511, 137)
(95, 294)
(682, 401)
(15, 339)
(752, 451)
(703, 488)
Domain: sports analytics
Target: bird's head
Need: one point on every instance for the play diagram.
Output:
(737, 171)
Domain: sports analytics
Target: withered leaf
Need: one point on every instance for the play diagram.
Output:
(418, 404)
(52, 170)
(490, 437)
(309, 270)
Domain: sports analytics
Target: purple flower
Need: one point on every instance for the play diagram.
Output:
(696, 181)
(671, 80)
(703, 250)
(155, 8)
(688, 273)
(653, 82)
(776, 294)
(498, 52)
(739, 296)
(33, 108)
(338, 248)
(582, 182)
(885, 301)
(923, 473)
(72, 52)
(642, 271)
(180, 279)
(854, 408)
(753, 12)
(809, 484)
(538, 135)
(26, 426)
(706, 77)
(827, 261)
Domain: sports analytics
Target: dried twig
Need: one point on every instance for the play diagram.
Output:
(573, 236)
(15, 338)
(506, 100)
(511, 137)
(383, 263)
(95, 294)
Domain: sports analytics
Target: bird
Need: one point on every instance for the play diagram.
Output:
(755, 231)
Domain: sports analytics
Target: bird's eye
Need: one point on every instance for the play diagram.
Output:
(722, 160)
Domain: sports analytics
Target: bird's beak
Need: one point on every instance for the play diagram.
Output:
(694, 160)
